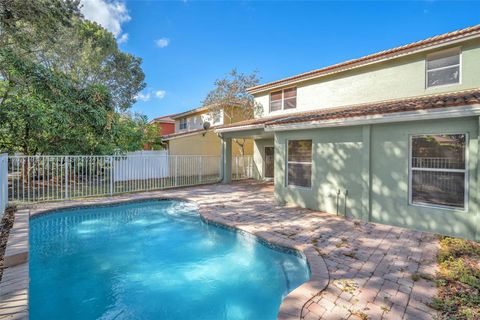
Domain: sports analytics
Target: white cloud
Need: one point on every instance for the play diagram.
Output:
(123, 38)
(162, 42)
(143, 97)
(160, 94)
(110, 14)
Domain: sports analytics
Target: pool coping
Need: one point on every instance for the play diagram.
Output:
(291, 306)
(14, 285)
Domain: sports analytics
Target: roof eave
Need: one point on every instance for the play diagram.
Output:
(240, 128)
(294, 80)
(162, 121)
(189, 112)
(188, 133)
(428, 114)
(200, 110)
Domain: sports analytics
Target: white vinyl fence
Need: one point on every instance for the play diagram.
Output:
(47, 178)
(3, 183)
(242, 167)
(142, 165)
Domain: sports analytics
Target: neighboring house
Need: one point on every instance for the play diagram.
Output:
(165, 125)
(192, 137)
(392, 137)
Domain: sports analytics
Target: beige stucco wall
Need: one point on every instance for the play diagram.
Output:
(195, 121)
(226, 116)
(195, 145)
(210, 144)
(396, 78)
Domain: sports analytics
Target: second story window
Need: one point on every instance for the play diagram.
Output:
(183, 123)
(443, 68)
(283, 99)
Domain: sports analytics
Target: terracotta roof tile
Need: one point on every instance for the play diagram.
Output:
(253, 122)
(439, 39)
(167, 119)
(444, 100)
(179, 134)
(183, 133)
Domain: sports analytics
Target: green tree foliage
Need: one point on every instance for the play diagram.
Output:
(65, 87)
(153, 137)
(231, 90)
(130, 131)
(230, 97)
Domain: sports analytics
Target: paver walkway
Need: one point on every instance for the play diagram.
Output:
(372, 267)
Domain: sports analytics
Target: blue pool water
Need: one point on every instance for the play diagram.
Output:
(153, 260)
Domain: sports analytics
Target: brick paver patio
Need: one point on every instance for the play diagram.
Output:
(374, 271)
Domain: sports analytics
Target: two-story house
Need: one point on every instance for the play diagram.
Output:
(194, 133)
(165, 126)
(392, 137)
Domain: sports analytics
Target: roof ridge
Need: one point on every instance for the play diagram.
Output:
(372, 56)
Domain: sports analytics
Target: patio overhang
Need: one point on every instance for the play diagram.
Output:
(228, 134)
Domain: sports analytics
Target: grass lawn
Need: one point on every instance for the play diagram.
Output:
(458, 279)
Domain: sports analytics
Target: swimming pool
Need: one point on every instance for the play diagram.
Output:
(153, 260)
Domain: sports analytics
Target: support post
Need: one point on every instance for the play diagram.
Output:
(477, 185)
(226, 160)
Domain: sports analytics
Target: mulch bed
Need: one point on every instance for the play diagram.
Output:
(5, 225)
(458, 279)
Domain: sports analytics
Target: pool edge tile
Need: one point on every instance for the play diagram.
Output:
(14, 286)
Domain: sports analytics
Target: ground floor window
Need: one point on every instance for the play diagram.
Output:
(299, 163)
(438, 169)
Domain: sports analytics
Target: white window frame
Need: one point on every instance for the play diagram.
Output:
(452, 51)
(464, 171)
(299, 162)
(181, 122)
(283, 100)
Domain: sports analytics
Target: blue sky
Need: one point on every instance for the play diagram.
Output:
(186, 45)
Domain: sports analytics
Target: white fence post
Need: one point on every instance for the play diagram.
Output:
(66, 177)
(176, 171)
(112, 169)
(3, 183)
(200, 171)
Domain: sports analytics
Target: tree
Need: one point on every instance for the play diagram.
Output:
(89, 54)
(129, 132)
(230, 96)
(65, 86)
(25, 23)
(44, 112)
(153, 138)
